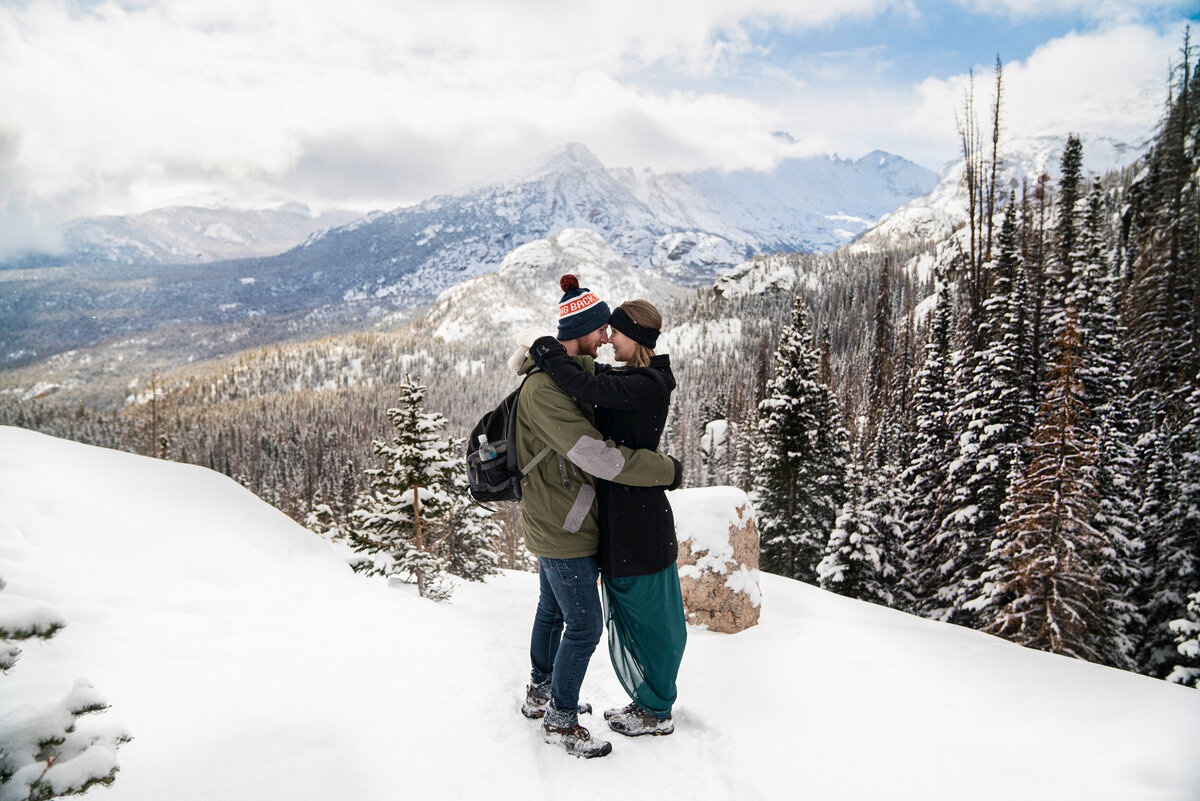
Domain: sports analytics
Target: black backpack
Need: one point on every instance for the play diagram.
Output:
(492, 470)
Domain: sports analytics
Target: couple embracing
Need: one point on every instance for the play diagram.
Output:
(597, 507)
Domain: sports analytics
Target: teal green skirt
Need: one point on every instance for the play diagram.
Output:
(647, 633)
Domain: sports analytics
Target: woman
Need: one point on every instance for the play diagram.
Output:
(643, 605)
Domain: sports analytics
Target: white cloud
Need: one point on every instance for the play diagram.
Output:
(1111, 82)
(371, 103)
(132, 105)
(1108, 11)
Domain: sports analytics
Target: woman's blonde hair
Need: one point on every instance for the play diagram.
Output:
(644, 314)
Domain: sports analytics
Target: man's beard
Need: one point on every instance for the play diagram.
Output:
(589, 349)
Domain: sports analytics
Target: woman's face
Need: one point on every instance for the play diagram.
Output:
(623, 346)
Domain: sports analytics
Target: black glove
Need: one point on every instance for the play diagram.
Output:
(543, 347)
(678, 481)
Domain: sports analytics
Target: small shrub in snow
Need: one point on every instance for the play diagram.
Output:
(50, 752)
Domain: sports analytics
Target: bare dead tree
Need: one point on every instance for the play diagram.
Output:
(991, 189)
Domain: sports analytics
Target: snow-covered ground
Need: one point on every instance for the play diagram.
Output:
(249, 663)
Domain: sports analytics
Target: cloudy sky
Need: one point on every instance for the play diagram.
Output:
(125, 105)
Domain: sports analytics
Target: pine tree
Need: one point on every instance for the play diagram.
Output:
(1179, 548)
(468, 545)
(800, 476)
(411, 506)
(747, 446)
(1095, 294)
(991, 422)
(901, 412)
(1067, 231)
(1034, 250)
(859, 559)
(925, 474)
(1187, 635)
(1163, 250)
(1051, 552)
(1158, 595)
(44, 752)
(877, 438)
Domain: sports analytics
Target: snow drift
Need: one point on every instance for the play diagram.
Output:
(249, 662)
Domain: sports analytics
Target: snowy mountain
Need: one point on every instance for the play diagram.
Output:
(188, 235)
(380, 269)
(686, 228)
(928, 222)
(524, 292)
(934, 216)
(248, 662)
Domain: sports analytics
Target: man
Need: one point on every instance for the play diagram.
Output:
(558, 510)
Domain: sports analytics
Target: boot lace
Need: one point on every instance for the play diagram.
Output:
(576, 731)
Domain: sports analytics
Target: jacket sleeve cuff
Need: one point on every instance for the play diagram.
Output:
(677, 482)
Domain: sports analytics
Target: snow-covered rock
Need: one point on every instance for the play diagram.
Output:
(718, 558)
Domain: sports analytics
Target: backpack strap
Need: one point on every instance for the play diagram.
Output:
(533, 463)
(512, 431)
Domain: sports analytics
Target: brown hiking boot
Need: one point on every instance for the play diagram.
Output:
(577, 741)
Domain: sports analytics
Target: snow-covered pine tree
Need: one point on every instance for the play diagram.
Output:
(903, 387)
(1067, 229)
(1187, 635)
(323, 521)
(1095, 293)
(1179, 549)
(859, 559)
(471, 536)
(923, 477)
(991, 423)
(1158, 595)
(1051, 554)
(335, 530)
(747, 446)
(993, 596)
(878, 442)
(1035, 250)
(799, 484)
(49, 752)
(410, 507)
(1164, 252)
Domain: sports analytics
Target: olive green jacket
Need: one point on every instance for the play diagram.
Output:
(558, 503)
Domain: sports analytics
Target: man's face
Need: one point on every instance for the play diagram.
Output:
(589, 344)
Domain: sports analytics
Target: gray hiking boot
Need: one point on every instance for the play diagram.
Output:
(576, 740)
(537, 696)
(634, 721)
(609, 714)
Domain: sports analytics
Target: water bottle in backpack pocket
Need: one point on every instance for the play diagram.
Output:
(491, 458)
(492, 470)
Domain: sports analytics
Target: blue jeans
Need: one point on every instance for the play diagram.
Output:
(566, 627)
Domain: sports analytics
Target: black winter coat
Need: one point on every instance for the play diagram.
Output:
(637, 529)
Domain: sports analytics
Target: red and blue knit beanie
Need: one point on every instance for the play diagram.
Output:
(580, 312)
